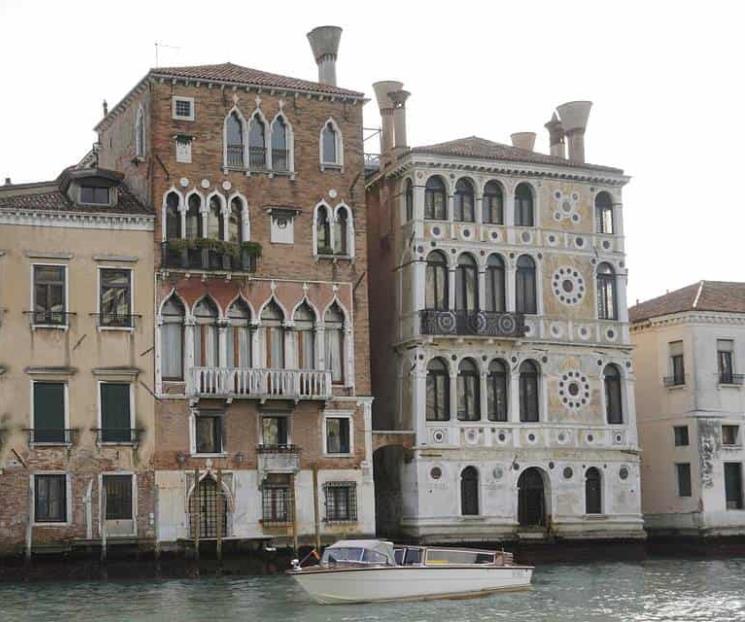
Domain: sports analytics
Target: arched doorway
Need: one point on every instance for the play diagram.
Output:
(469, 492)
(205, 510)
(531, 505)
(593, 492)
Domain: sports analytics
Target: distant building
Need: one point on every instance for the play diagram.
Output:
(499, 337)
(689, 357)
(261, 337)
(77, 431)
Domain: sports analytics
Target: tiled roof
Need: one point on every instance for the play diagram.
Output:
(228, 72)
(721, 296)
(46, 196)
(475, 147)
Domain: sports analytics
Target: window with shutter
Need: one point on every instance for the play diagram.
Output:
(49, 412)
(116, 417)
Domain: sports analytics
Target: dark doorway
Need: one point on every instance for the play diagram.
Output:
(593, 494)
(531, 506)
(205, 509)
(469, 492)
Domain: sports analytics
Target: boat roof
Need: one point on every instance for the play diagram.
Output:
(377, 545)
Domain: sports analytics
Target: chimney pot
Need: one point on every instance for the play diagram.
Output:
(7, 181)
(523, 140)
(105, 108)
(383, 89)
(556, 137)
(399, 98)
(574, 117)
(324, 41)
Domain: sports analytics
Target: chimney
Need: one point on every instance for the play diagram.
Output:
(573, 117)
(556, 137)
(523, 140)
(399, 98)
(324, 41)
(385, 104)
(7, 181)
(105, 108)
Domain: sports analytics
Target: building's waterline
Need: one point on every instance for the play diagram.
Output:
(654, 590)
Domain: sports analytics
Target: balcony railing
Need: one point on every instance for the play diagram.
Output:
(51, 436)
(295, 384)
(176, 255)
(282, 448)
(117, 436)
(674, 381)
(257, 158)
(115, 320)
(486, 323)
(49, 318)
(726, 378)
(235, 156)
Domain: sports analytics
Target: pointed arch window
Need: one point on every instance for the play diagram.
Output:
(235, 220)
(323, 231)
(304, 333)
(234, 141)
(194, 217)
(529, 411)
(495, 284)
(496, 391)
(493, 204)
(469, 492)
(257, 144)
(604, 213)
(409, 200)
(606, 292)
(272, 334)
(466, 283)
(239, 335)
(140, 133)
(438, 391)
(436, 282)
(524, 216)
(464, 201)
(330, 145)
(613, 402)
(593, 492)
(172, 340)
(341, 231)
(215, 224)
(206, 342)
(526, 298)
(469, 402)
(334, 346)
(280, 145)
(435, 199)
(173, 216)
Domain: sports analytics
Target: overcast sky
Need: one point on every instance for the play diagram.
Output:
(666, 79)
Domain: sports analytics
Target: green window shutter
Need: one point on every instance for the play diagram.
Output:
(115, 414)
(49, 412)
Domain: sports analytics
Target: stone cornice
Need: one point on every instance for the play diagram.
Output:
(77, 220)
(690, 317)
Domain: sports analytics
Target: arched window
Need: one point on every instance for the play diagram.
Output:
(280, 147)
(140, 133)
(606, 290)
(205, 501)
(495, 285)
(435, 199)
(409, 200)
(206, 342)
(464, 201)
(304, 332)
(593, 492)
(604, 213)
(529, 391)
(341, 232)
(496, 391)
(215, 226)
(323, 231)
(235, 220)
(523, 206)
(493, 204)
(469, 401)
(525, 286)
(436, 282)
(613, 403)
(333, 328)
(466, 283)
(272, 336)
(469, 492)
(172, 340)
(194, 217)
(329, 144)
(438, 391)
(173, 217)
(234, 146)
(257, 144)
(239, 335)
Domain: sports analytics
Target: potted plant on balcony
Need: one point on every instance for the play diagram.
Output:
(249, 251)
(178, 249)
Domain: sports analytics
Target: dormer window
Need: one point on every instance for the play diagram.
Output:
(94, 195)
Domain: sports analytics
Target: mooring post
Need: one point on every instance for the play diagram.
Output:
(220, 514)
(102, 520)
(30, 521)
(316, 509)
(293, 505)
(196, 525)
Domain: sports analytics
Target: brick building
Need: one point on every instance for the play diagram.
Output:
(261, 340)
(76, 408)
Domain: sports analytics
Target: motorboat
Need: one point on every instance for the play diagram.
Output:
(361, 571)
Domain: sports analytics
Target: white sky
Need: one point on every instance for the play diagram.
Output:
(666, 78)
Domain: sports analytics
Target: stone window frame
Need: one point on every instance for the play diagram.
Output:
(68, 499)
(174, 107)
(339, 164)
(337, 414)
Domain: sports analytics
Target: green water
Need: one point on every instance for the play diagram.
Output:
(674, 590)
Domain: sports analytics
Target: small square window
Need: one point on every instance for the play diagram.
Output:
(337, 435)
(209, 433)
(94, 195)
(681, 435)
(730, 435)
(50, 498)
(183, 108)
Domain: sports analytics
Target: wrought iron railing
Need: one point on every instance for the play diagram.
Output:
(674, 381)
(182, 258)
(49, 318)
(115, 320)
(461, 322)
(728, 378)
(280, 161)
(51, 436)
(296, 384)
(257, 158)
(117, 436)
(234, 155)
(279, 448)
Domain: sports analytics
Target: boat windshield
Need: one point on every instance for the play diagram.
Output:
(454, 556)
(342, 554)
(357, 555)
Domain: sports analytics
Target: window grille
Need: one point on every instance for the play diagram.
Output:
(276, 500)
(204, 508)
(118, 497)
(341, 501)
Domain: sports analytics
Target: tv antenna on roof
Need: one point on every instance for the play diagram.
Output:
(163, 45)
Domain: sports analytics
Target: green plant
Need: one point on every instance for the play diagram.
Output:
(325, 250)
(180, 244)
(252, 248)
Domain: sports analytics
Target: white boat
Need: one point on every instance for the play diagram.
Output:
(362, 571)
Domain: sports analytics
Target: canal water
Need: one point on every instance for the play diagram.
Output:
(654, 590)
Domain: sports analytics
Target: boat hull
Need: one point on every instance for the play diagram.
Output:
(364, 585)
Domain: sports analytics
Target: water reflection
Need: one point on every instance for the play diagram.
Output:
(658, 590)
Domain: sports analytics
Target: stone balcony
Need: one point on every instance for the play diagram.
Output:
(462, 322)
(261, 383)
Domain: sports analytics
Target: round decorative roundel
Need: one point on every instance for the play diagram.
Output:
(568, 285)
(565, 207)
(574, 389)
(435, 473)
(498, 472)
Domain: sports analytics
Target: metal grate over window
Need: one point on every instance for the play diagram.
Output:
(341, 501)
(276, 503)
(118, 497)
(205, 509)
